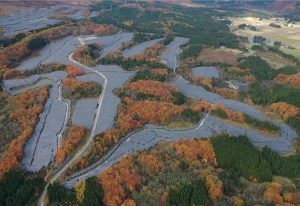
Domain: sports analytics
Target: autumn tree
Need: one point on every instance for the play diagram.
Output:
(155, 88)
(87, 54)
(74, 71)
(285, 110)
(118, 180)
(73, 89)
(93, 193)
(273, 193)
(214, 187)
(150, 163)
(138, 113)
(188, 194)
(195, 151)
(28, 106)
(292, 80)
(70, 143)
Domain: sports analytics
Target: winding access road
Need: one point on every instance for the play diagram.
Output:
(90, 138)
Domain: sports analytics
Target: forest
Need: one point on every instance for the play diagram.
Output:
(234, 152)
(203, 29)
(188, 194)
(211, 170)
(130, 64)
(72, 140)
(87, 193)
(73, 89)
(19, 115)
(16, 189)
(196, 172)
(262, 95)
(224, 113)
(87, 54)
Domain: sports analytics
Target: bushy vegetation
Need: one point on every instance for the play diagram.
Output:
(59, 195)
(188, 194)
(130, 64)
(274, 25)
(23, 109)
(148, 75)
(190, 115)
(259, 39)
(288, 70)
(258, 67)
(231, 180)
(36, 43)
(203, 29)
(142, 37)
(45, 68)
(93, 194)
(87, 54)
(168, 39)
(6, 41)
(264, 96)
(10, 128)
(179, 98)
(18, 190)
(73, 89)
(219, 113)
(294, 122)
(235, 152)
(192, 51)
(287, 167)
(260, 124)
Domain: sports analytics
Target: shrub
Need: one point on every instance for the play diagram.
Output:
(36, 43)
(219, 113)
(260, 124)
(16, 189)
(191, 115)
(188, 194)
(59, 195)
(282, 166)
(179, 97)
(258, 67)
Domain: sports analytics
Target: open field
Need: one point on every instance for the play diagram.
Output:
(220, 55)
(288, 34)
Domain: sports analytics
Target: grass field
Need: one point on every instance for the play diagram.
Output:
(288, 34)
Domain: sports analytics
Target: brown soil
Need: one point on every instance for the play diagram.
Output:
(218, 56)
